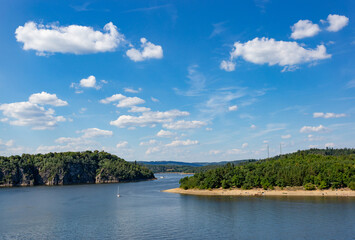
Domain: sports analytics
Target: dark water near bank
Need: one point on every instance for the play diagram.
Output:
(143, 212)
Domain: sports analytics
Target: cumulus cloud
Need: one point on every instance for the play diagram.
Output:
(122, 144)
(148, 51)
(336, 22)
(124, 101)
(178, 143)
(84, 142)
(286, 136)
(129, 102)
(44, 98)
(228, 66)
(328, 115)
(95, 132)
(47, 39)
(139, 109)
(89, 82)
(147, 118)
(131, 90)
(304, 29)
(234, 151)
(32, 113)
(163, 133)
(113, 98)
(233, 108)
(308, 129)
(150, 142)
(182, 124)
(153, 150)
(272, 52)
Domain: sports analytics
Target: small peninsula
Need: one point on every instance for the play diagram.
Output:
(313, 172)
(69, 168)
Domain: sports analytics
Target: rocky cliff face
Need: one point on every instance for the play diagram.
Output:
(59, 170)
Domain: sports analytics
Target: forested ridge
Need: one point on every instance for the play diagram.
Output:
(313, 169)
(184, 168)
(68, 168)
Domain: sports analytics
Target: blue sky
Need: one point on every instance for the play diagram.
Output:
(176, 80)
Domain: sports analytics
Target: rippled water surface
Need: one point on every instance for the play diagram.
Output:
(144, 212)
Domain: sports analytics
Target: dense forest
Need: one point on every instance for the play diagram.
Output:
(69, 168)
(313, 169)
(188, 167)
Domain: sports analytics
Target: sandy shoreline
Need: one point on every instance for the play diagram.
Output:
(262, 192)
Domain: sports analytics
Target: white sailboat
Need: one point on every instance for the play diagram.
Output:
(118, 191)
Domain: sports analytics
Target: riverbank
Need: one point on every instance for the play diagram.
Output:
(261, 192)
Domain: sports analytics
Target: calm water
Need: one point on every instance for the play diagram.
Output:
(143, 212)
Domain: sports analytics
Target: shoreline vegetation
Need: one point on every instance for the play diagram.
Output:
(308, 170)
(67, 168)
(345, 192)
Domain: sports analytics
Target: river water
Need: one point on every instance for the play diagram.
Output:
(144, 212)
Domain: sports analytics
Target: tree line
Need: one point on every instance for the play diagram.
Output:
(314, 168)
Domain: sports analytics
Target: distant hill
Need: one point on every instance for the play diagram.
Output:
(186, 167)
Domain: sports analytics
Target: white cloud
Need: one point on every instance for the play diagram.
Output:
(129, 102)
(178, 143)
(308, 129)
(234, 151)
(150, 142)
(163, 133)
(328, 115)
(245, 145)
(252, 126)
(228, 66)
(154, 99)
(84, 142)
(182, 124)
(336, 22)
(149, 50)
(89, 82)
(209, 129)
(272, 52)
(5, 144)
(232, 108)
(124, 101)
(214, 152)
(286, 136)
(95, 132)
(329, 145)
(139, 109)
(153, 150)
(147, 118)
(303, 29)
(122, 144)
(131, 90)
(30, 114)
(46, 39)
(196, 81)
(113, 98)
(44, 98)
